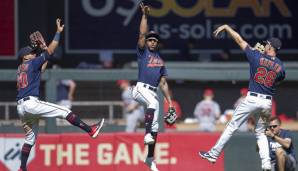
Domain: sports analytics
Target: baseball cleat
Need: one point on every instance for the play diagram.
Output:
(151, 164)
(148, 139)
(96, 128)
(207, 156)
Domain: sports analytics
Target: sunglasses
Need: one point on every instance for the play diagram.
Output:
(272, 126)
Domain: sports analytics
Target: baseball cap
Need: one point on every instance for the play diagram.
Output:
(152, 35)
(208, 92)
(24, 51)
(274, 42)
(119, 82)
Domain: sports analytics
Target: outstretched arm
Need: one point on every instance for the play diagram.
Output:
(165, 90)
(54, 44)
(238, 39)
(143, 25)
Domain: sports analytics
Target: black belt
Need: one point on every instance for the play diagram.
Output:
(256, 95)
(24, 99)
(150, 87)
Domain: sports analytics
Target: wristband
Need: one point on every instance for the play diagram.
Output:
(57, 37)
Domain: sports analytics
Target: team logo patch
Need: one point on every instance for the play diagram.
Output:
(10, 152)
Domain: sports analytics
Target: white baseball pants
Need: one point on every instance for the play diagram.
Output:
(31, 110)
(260, 108)
(149, 99)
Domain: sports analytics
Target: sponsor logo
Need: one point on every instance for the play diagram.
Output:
(10, 152)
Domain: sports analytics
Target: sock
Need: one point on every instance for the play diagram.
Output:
(151, 147)
(149, 119)
(76, 121)
(24, 156)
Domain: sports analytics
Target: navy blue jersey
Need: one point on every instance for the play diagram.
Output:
(273, 144)
(265, 72)
(151, 67)
(28, 76)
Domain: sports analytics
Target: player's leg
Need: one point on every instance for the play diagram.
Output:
(262, 120)
(149, 100)
(30, 125)
(239, 117)
(143, 96)
(262, 142)
(31, 131)
(46, 109)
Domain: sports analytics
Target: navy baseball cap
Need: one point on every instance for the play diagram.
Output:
(24, 51)
(274, 42)
(152, 35)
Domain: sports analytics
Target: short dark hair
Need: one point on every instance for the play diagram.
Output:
(275, 118)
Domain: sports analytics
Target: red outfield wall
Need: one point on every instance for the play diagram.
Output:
(109, 152)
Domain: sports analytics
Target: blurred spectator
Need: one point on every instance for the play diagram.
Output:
(243, 93)
(176, 105)
(133, 111)
(207, 111)
(65, 94)
(106, 58)
(65, 91)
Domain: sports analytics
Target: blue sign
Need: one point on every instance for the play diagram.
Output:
(93, 25)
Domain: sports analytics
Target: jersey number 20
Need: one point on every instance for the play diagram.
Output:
(265, 77)
(22, 80)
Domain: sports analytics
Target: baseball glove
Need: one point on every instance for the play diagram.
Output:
(37, 41)
(259, 47)
(171, 116)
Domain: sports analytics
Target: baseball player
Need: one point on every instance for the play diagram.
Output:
(207, 111)
(266, 71)
(29, 107)
(134, 112)
(152, 73)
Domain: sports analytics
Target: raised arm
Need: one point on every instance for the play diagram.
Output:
(238, 39)
(143, 25)
(54, 44)
(165, 90)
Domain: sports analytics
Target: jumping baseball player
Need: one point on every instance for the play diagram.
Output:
(29, 107)
(152, 73)
(266, 71)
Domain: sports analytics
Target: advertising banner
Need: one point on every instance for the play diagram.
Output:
(109, 152)
(113, 25)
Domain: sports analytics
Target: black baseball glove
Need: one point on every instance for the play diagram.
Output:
(171, 116)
